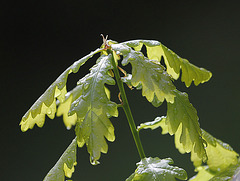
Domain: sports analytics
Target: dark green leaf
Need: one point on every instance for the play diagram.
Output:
(93, 109)
(156, 83)
(155, 169)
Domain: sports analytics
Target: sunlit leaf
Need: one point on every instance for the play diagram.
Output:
(65, 164)
(231, 173)
(155, 169)
(64, 107)
(182, 120)
(174, 63)
(156, 83)
(204, 174)
(158, 122)
(220, 154)
(46, 104)
(93, 109)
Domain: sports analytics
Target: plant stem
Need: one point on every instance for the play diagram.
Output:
(126, 108)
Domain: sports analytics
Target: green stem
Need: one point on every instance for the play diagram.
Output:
(127, 110)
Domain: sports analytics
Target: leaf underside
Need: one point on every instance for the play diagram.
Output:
(155, 169)
(65, 165)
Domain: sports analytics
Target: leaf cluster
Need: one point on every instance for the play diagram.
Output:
(89, 108)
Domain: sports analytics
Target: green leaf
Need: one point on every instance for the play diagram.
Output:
(182, 120)
(158, 122)
(156, 83)
(93, 109)
(204, 174)
(127, 80)
(46, 104)
(155, 169)
(230, 173)
(65, 164)
(156, 50)
(220, 155)
(190, 72)
(64, 107)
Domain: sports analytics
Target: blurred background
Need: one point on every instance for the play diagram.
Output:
(40, 39)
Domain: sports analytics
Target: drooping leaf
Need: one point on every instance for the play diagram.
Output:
(156, 83)
(174, 63)
(155, 169)
(220, 154)
(65, 164)
(182, 120)
(64, 107)
(46, 104)
(93, 109)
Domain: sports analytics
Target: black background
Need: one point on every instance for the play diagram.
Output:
(40, 39)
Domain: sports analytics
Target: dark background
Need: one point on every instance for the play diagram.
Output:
(40, 39)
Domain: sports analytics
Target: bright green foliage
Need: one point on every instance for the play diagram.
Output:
(158, 122)
(46, 104)
(88, 107)
(220, 155)
(174, 63)
(155, 169)
(231, 173)
(156, 83)
(64, 107)
(93, 109)
(222, 160)
(204, 174)
(182, 120)
(65, 165)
